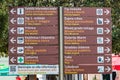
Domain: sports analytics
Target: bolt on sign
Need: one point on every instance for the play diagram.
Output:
(33, 40)
(87, 40)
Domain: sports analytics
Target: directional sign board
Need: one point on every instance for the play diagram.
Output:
(87, 11)
(91, 59)
(33, 40)
(86, 30)
(87, 40)
(76, 21)
(87, 49)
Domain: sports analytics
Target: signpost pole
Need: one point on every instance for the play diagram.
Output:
(61, 72)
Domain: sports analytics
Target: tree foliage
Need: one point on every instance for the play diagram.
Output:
(114, 4)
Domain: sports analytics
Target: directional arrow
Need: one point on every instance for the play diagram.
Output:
(107, 40)
(13, 11)
(108, 69)
(12, 59)
(107, 59)
(12, 40)
(107, 49)
(107, 31)
(106, 11)
(13, 21)
(13, 30)
(12, 50)
(107, 21)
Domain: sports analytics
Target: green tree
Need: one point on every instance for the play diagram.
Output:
(3, 28)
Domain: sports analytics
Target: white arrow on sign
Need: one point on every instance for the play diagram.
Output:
(13, 11)
(107, 31)
(107, 49)
(12, 59)
(107, 21)
(13, 21)
(107, 40)
(12, 40)
(107, 68)
(107, 59)
(12, 50)
(106, 11)
(13, 30)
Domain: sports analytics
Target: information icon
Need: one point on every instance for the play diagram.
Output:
(20, 59)
(99, 11)
(20, 40)
(20, 50)
(99, 30)
(99, 21)
(20, 30)
(99, 40)
(100, 49)
(20, 11)
(20, 20)
(100, 59)
(100, 68)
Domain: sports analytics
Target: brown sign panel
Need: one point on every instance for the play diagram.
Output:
(33, 40)
(87, 11)
(87, 30)
(41, 30)
(78, 21)
(33, 21)
(34, 11)
(77, 69)
(87, 40)
(33, 50)
(35, 59)
(87, 59)
(87, 49)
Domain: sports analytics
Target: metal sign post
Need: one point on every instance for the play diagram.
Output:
(61, 44)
